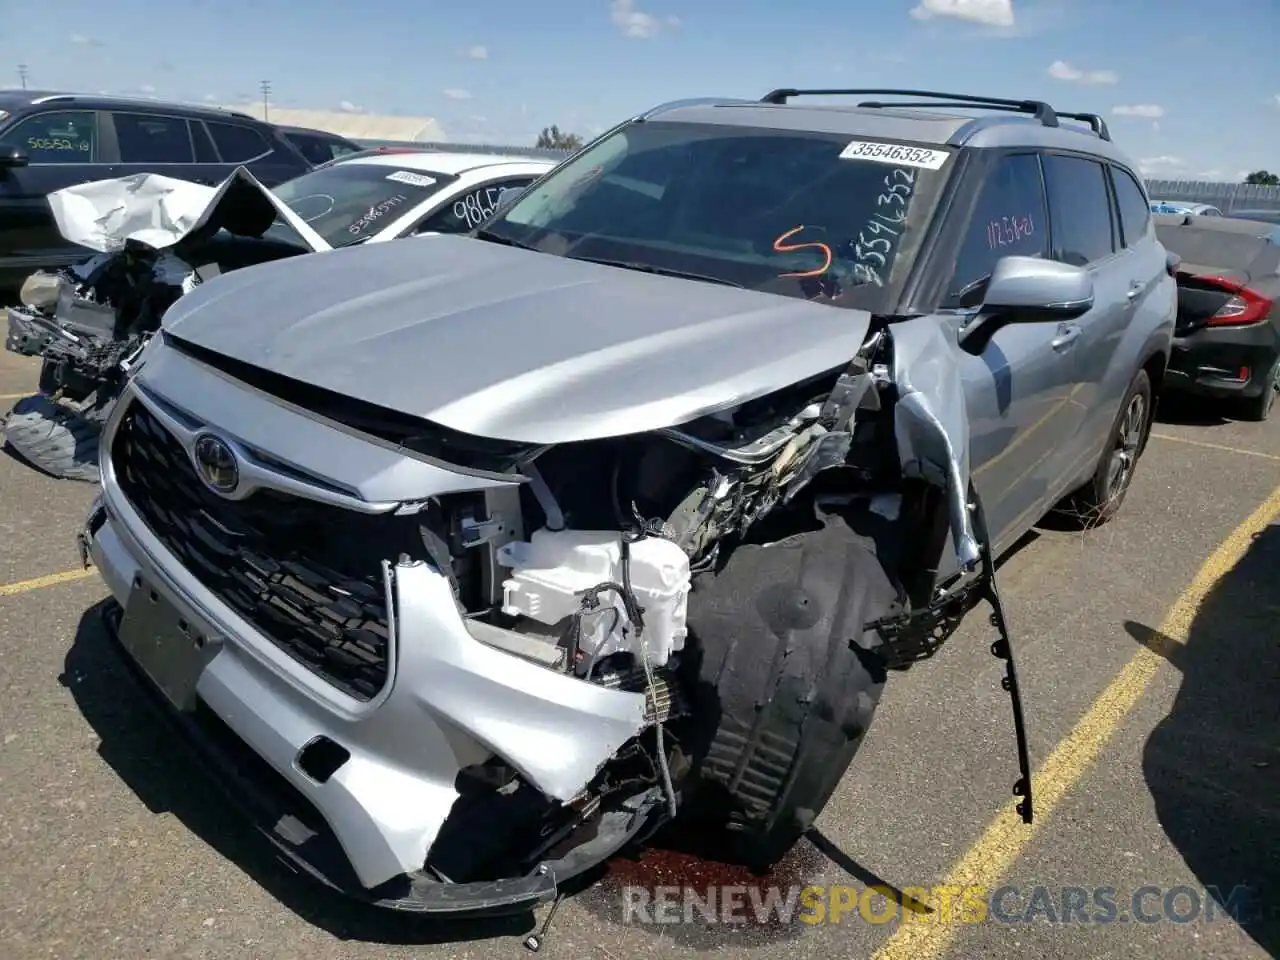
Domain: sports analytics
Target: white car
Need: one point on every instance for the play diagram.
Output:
(377, 197)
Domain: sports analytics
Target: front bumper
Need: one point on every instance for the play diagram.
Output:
(450, 702)
(1208, 362)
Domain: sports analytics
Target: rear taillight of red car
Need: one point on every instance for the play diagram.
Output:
(1245, 307)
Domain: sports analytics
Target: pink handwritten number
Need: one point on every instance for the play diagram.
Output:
(1006, 231)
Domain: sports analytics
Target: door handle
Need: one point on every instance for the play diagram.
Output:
(1135, 290)
(1066, 336)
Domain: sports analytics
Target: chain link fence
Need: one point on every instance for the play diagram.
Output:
(1227, 197)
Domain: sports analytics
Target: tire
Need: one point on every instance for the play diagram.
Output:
(54, 439)
(1259, 408)
(787, 682)
(1099, 500)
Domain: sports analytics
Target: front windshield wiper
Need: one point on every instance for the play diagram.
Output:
(662, 271)
(485, 234)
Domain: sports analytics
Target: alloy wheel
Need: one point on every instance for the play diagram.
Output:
(1124, 456)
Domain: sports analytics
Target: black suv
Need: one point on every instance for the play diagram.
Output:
(53, 140)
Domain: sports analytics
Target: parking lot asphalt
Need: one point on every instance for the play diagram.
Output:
(1149, 654)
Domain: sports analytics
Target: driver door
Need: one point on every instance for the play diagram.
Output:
(1017, 390)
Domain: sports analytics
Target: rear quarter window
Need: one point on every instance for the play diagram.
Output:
(1135, 211)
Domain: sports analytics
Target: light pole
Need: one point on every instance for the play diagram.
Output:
(265, 86)
(22, 75)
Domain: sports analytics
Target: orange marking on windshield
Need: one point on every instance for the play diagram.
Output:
(781, 247)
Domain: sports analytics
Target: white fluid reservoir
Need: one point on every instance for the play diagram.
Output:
(550, 571)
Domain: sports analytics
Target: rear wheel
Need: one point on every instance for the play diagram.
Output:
(1259, 408)
(787, 683)
(1099, 500)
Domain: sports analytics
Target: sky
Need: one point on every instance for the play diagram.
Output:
(1190, 88)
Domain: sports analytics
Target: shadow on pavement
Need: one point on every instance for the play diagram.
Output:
(1185, 410)
(1213, 764)
(152, 760)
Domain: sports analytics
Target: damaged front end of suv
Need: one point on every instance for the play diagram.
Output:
(471, 562)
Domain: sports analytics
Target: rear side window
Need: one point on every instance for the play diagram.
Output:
(236, 142)
(148, 138)
(1080, 210)
(62, 136)
(1009, 220)
(1135, 211)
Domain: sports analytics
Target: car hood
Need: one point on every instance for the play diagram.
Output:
(507, 343)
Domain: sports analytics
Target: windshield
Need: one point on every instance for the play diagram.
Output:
(803, 214)
(350, 202)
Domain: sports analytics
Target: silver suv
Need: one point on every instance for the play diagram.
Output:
(467, 560)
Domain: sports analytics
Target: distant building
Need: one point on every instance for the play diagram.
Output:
(353, 126)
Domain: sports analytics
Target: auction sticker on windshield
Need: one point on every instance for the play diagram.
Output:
(898, 154)
(413, 179)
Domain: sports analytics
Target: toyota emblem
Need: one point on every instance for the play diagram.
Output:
(216, 464)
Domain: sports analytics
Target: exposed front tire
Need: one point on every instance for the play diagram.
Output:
(787, 683)
(1099, 500)
(53, 438)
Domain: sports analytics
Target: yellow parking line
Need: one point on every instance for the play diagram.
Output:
(1215, 446)
(14, 396)
(994, 853)
(49, 580)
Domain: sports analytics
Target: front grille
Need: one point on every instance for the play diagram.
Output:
(307, 575)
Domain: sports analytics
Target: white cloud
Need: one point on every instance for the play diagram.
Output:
(1149, 110)
(1214, 173)
(346, 106)
(1163, 164)
(638, 24)
(994, 13)
(211, 97)
(1278, 99)
(453, 93)
(478, 52)
(80, 38)
(147, 88)
(1061, 70)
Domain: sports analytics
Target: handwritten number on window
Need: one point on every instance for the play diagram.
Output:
(877, 237)
(1007, 231)
(477, 207)
(375, 213)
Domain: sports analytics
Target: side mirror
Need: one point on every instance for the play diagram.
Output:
(1028, 290)
(12, 156)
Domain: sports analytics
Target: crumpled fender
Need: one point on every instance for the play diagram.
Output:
(931, 423)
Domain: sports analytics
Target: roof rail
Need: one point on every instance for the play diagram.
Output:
(1095, 122)
(1038, 108)
(149, 101)
(692, 102)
